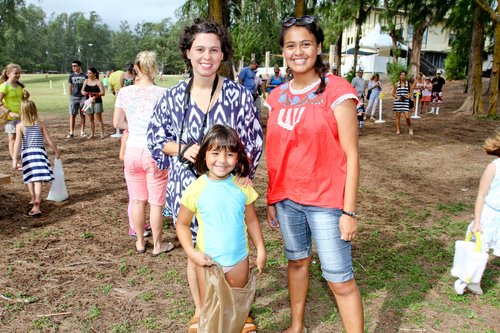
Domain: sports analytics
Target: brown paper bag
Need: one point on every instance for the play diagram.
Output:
(225, 308)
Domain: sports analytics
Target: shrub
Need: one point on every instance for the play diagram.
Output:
(394, 69)
(454, 65)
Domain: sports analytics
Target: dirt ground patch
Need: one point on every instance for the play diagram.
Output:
(76, 263)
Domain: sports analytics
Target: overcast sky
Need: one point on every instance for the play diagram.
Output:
(113, 12)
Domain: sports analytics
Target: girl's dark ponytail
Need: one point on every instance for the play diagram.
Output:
(321, 69)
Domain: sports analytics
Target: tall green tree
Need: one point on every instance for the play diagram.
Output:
(473, 102)
(357, 11)
(421, 14)
(495, 17)
(25, 43)
(8, 19)
(390, 16)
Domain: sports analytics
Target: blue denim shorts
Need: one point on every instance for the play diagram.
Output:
(299, 223)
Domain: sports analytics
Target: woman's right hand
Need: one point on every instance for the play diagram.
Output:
(272, 220)
(476, 227)
(191, 153)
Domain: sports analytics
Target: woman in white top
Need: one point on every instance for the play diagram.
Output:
(374, 90)
(133, 109)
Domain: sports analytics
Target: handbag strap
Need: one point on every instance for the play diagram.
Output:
(479, 240)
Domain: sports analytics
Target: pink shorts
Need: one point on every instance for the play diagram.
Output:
(144, 179)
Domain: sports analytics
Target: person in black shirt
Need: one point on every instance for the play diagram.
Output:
(437, 93)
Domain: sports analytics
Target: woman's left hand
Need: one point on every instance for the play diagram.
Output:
(348, 227)
(243, 181)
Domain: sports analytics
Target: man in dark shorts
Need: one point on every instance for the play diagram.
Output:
(76, 98)
(437, 92)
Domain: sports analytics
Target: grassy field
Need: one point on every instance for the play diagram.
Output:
(54, 101)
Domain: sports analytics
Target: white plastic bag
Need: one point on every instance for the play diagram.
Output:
(469, 261)
(58, 191)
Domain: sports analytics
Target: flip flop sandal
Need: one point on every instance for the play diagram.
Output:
(31, 214)
(83, 135)
(143, 250)
(169, 247)
(193, 325)
(249, 326)
(70, 136)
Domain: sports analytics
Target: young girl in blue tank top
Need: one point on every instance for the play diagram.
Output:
(225, 210)
(30, 135)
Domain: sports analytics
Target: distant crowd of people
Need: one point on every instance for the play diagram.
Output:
(406, 95)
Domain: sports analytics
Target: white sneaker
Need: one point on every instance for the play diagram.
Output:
(460, 287)
(475, 288)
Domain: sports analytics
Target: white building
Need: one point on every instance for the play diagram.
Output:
(436, 44)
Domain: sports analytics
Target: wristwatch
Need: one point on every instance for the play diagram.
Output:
(351, 214)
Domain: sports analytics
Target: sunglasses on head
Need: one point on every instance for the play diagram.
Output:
(307, 19)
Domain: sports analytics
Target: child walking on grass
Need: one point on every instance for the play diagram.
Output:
(225, 212)
(487, 211)
(30, 136)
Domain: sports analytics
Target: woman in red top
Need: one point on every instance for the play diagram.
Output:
(313, 167)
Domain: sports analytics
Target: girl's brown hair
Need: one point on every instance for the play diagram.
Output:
(206, 27)
(492, 144)
(9, 68)
(310, 24)
(223, 137)
(29, 113)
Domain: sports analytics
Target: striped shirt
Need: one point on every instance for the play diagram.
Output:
(402, 105)
(33, 137)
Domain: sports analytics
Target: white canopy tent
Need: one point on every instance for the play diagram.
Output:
(380, 43)
(376, 40)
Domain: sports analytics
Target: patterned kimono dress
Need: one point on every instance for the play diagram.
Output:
(234, 107)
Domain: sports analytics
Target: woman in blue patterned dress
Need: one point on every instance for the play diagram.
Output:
(185, 113)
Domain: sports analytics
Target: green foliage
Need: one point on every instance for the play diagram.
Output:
(106, 288)
(94, 312)
(350, 75)
(44, 324)
(123, 327)
(395, 69)
(53, 43)
(454, 207)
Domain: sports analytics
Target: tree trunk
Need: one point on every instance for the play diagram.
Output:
(218, 12)
(356, 45)
(392, 32)
(416, 47)
(492, 111)
(215, 11)
(474, 101)
(300, 8)
(488, 89)
(338, 54)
